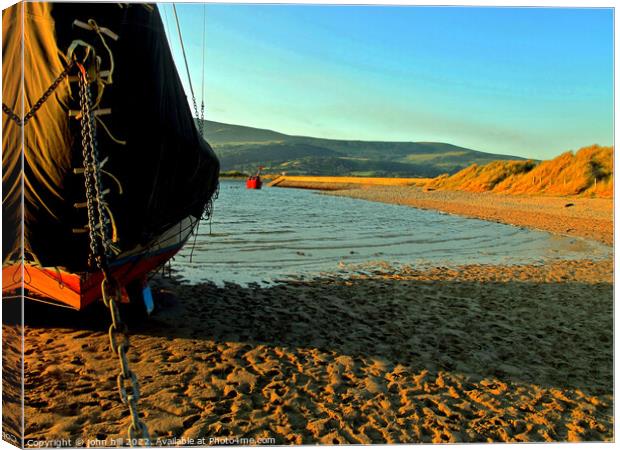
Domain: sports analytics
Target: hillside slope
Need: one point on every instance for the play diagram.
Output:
(244, 148)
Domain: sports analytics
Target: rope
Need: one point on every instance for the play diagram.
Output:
(93, 24)
(189, 78)
(207, 214)
(110, 135)
(204, 30)
(202, 86)
(196, 231)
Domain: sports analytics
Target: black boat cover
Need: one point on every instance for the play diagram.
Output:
(166, 170)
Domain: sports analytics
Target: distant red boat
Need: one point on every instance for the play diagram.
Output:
(254, 182)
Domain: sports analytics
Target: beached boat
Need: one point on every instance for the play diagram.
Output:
(110, 175)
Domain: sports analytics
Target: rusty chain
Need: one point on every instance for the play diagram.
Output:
(126, 380)
(88, 139)
(201, 120)
(100, 246)
(30, 114)
(9, 112)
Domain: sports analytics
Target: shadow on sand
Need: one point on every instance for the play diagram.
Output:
(549, 334)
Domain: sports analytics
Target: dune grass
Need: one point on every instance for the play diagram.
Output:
(476, 178)
(588, 172)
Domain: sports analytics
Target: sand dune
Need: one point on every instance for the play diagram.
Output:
(587, 172)
(475, 353)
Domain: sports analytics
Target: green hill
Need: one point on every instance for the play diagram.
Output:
(244, 148)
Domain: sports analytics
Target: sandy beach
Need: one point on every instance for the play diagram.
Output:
(474, 353)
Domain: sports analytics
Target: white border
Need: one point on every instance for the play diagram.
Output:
(523, 3)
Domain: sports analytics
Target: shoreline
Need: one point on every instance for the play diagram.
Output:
(590, 218)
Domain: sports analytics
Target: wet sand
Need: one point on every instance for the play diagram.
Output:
(467, 354)
(591, 218)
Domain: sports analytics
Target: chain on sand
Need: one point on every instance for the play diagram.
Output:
(127, 382)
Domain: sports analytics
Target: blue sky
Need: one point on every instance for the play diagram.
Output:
(531, 82)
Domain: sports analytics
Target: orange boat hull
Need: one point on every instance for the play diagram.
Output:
(78, 290)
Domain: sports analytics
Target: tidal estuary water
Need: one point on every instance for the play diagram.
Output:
(274, 233)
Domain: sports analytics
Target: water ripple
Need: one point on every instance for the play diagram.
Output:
(277, 233)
